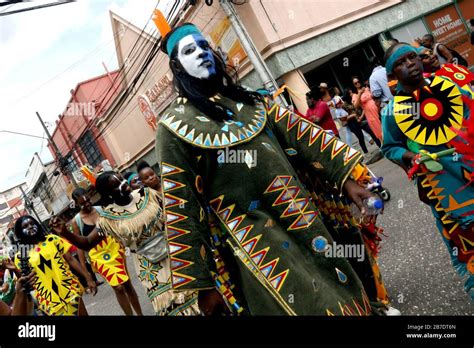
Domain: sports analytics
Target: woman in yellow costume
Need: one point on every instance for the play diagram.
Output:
(108, 257)
(56, 289)
(135, 218)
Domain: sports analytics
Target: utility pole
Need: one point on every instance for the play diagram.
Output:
(252, 52)
(30, 206)
(59, 156)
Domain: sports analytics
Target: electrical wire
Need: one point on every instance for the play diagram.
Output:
(152, 52)
(114, 85)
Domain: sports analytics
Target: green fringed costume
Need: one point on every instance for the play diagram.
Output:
(133, 226)
(243, 173)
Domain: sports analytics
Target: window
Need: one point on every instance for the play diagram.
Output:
(69, 163)
(410, 31)
(45, 193)
(90, 149)
(3, 206)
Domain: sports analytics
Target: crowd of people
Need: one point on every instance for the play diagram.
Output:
(213, 238)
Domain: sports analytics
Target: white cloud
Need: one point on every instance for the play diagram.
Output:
(37, 50)
(35, 31)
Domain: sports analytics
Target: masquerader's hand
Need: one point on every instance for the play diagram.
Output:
(30, 279)
(211, 302)
(91, 287)
(58, 225)
(357, 195)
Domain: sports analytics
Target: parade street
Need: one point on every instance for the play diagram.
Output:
(413, 260)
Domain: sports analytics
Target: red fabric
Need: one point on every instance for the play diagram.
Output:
(322, 111)
(416, 167)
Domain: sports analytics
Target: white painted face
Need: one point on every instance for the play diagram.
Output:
(196, 57)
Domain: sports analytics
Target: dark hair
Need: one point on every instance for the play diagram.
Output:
(374, 61)
(101, 187)
(316, 94)
(77, 193)
(142, 165)
(198, 91)
(429, 36)
(128, 174)
(332, 91)
(346, 97)
(390, 50)
(18, 228)
(355, 77)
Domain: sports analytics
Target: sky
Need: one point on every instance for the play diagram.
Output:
(44, 54)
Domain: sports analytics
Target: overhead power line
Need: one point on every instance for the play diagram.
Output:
(36, 7)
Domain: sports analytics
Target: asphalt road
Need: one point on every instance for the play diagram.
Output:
(413, 260)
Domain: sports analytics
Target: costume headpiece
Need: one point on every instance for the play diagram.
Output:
(397, 53)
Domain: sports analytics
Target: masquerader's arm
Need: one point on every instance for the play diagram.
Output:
(80, 252)
(21, 305)
(185, 211)
(443, 50)
(81, 242)
(394, 145)
(76, 266)
(332, 159)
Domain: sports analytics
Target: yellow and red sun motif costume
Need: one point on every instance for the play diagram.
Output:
(57, 289)
(108, 258)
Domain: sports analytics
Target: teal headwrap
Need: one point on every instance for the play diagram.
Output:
(400, 51)
(131, 177)
(420, 49)
(178, 34)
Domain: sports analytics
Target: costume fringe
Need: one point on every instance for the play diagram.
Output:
(129, 228)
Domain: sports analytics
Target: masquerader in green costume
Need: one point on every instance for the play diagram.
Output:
(229, 166)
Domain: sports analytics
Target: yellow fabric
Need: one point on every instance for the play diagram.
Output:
(108, 258)
(360, 174)
(382, 294)
(57, 289)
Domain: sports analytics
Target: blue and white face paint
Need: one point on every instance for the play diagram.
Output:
(196, 57)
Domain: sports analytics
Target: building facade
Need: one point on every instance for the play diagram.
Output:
(46, 188)
(76, 135)
(302, 42)
(11, 208)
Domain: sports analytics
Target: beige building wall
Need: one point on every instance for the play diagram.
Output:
(290, 34)
(125, 129)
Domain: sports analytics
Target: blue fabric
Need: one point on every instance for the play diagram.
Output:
(400, 51)
(379, 84)
(395, 144)
(178, 34)
(460, 267)
(131, 177)
(420, 49)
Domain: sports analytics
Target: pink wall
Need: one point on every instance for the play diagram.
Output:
(88, 101)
